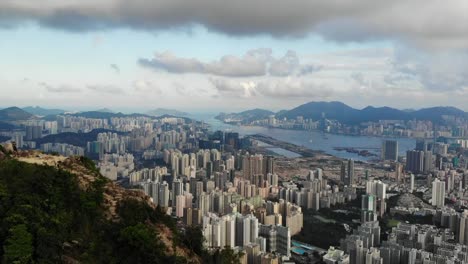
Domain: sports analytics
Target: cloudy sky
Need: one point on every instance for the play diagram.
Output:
(233, 55)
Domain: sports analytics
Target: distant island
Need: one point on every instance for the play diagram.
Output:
(164, 111)
(245, 116)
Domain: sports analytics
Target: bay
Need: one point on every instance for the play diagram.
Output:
(314, 140)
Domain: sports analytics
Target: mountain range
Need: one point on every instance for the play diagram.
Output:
(349, 115)
(39, 111)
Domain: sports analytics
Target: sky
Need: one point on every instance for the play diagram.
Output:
(211, 55)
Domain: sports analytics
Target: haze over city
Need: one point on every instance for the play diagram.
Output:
(234, 132)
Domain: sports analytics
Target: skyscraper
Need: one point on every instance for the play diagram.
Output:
(438, 193)
(350, 172)
(415, 161)
(343, 171)
(368, 208)
(347, 172)
(390, 150)
(428, 161)
(421, 145)
(411, 183)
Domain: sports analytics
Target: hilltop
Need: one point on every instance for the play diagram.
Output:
(57, 209)
(164, 111)
(14, 114)
(245, 116)
(39, 111)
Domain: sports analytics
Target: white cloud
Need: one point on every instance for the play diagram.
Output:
(60, 88)
(108, 89)
(273, 88)
(146, 86)
(256, 62)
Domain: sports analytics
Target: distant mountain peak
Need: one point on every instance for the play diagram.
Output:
(165, 111)
(14, 114)
(40, 111)
(105, 110)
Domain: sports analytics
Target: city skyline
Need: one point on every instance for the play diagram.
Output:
(80, 55)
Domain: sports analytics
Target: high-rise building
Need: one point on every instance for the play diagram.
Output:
(163, 195)
(411, 183)
(415, 161)
(232, 139)
(428, 162)
(268, 165)
(343, 171)
(390, 150)
(252, 165)
(33, 132)
(350, 172)
(368, 208)
(180, 205)
(438, 193)
(398, 171)
(18, 139)
(347, 172)
(421, 145)
(278, 238)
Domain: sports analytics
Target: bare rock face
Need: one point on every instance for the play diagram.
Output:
(9, 148)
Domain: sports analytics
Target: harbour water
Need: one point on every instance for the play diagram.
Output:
(314, 140)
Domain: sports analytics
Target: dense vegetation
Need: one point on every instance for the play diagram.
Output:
(45, 217)
(325, 227)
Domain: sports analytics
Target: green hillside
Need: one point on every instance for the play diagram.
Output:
(45, 217)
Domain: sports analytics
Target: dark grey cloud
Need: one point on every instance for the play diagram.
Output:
(115, 68)
(308, 69)
(59, 88)
(429, 22)
(256, 62)
(359, 78)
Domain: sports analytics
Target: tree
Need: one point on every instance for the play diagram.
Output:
(140, 244)
(194, 239)
(229, 256)
(18, 248)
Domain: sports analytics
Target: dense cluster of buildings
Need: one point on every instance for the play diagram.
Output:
(216, 182)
